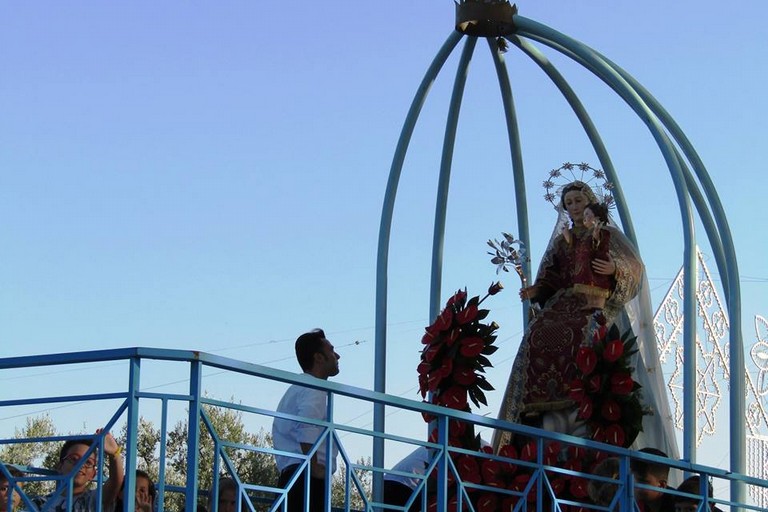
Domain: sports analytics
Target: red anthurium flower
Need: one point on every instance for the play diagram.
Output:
(509, 503)
(578, 487)
(509, 452)
(553, 448)
(614, 435)
(558, 484)
(433, 381)
(427, 417)
(586, 360)
(454, 397)
(464, 375)
(469, 471)
(446, 368)
(577, 391)
(423, 383)
(491, 472)
(610, 410)
(573, 465)
(594, 383)
(443, 321)
(456, 427)
(576, 452)
(453, 336)
(423, 368)
(622, 383)
(429, 338)
(586, 408)
(431, 352)
(519, 482)
(471, 347)
(458, 298)
(598, 434)
(488, 503)
(614, 349)
(467, 314)
(528, 453)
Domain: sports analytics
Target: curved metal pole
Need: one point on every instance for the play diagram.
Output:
(737, 394)
(441, 206)
(513, 136)
(726, 271)
(385, 228)
(589, 127)
(614, 80)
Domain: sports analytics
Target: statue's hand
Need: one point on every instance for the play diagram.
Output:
(529, 293)
(604, 267)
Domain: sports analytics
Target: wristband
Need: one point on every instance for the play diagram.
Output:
(117, 452)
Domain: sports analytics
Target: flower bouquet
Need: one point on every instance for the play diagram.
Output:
(608, 398)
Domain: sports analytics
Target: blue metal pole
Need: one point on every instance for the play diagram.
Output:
(193, 436)
(589, 128)
(385, 228)
(441, 205)
(132, 430)
(732, 287)
(163, 449)
(516, 153)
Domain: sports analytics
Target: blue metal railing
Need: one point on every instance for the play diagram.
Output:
(455, 477)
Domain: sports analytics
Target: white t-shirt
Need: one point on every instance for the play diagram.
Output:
(415, 462)
(287, 435)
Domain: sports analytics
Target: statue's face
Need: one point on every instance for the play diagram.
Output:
(575, 201)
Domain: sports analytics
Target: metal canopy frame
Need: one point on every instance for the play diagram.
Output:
(693, 186)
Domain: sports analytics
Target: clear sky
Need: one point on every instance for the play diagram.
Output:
(210, 175)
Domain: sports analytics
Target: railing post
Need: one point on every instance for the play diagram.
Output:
(193, 437)
(132, 431)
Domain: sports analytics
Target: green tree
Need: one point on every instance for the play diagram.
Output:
(34, 454)
(338, 486)
(147, 446)
(250, 465)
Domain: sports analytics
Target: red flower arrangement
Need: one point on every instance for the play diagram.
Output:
(454, 356)
(608, 398)
(452, 365)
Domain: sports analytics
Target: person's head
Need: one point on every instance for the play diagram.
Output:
(574, 198)
(595, 212)
(650, 473)
(145, 490)
(70, 454)
(316, 355)
(691, 485)
(602, 493)
(227, 495)
(6, 488)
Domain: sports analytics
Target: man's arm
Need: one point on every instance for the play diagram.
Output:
(316, 470)
(112, 486)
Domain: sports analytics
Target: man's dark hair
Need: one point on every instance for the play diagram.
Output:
(307, 345)
(70, 443)
(692, 485)
(644, 467)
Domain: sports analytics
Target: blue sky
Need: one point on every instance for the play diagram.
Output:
(210, 175)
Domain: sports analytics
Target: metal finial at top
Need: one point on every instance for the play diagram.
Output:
(485, 18)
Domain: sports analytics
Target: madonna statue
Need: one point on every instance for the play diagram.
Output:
(586, 268)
